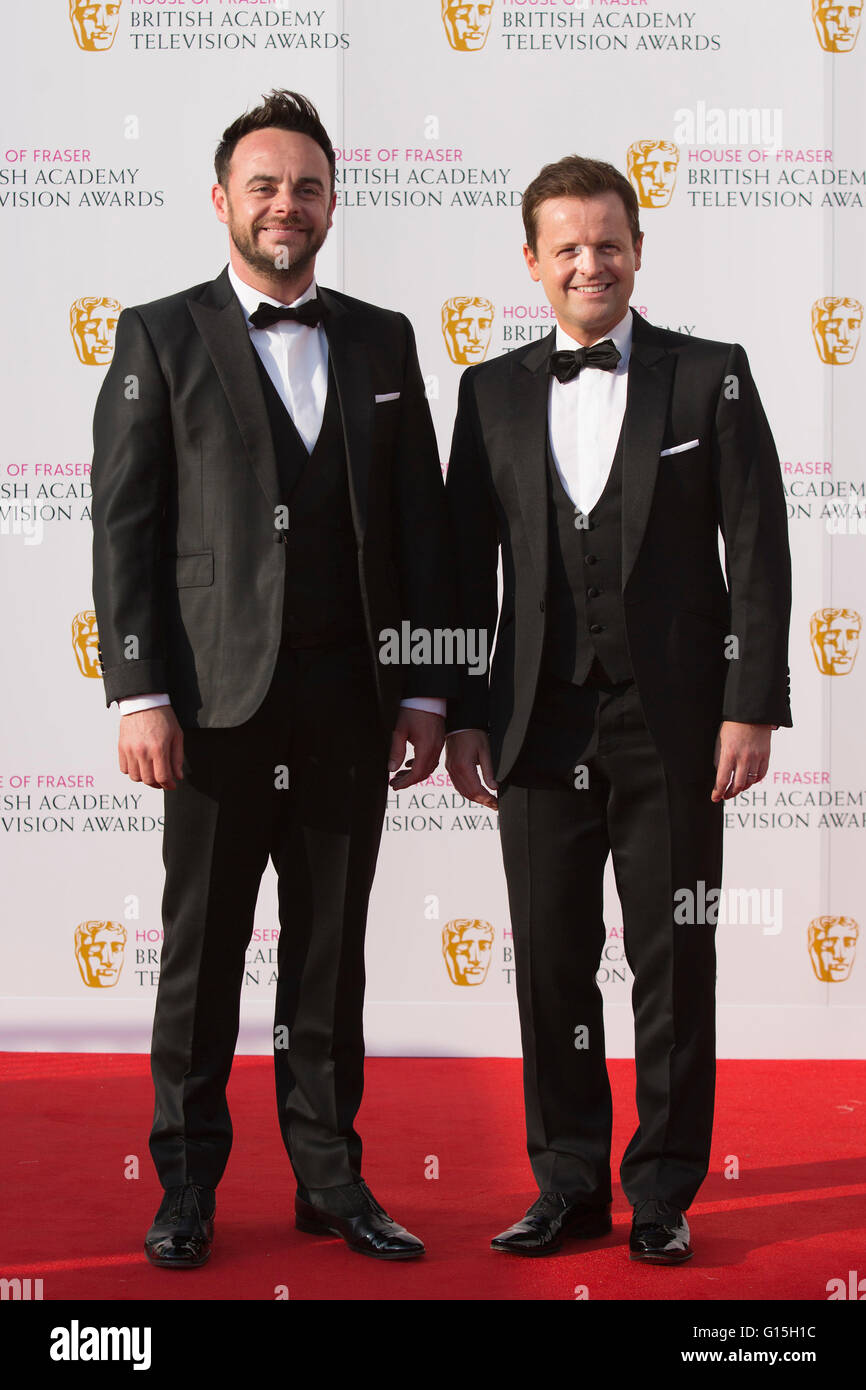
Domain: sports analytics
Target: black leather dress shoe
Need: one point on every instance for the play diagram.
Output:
(353, 1213)
(659, 1234)
(182, 1230)
(553, 1218)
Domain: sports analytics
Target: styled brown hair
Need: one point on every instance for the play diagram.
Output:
(284, 110)
(577, 177)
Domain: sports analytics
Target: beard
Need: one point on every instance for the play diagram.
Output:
(283, 263)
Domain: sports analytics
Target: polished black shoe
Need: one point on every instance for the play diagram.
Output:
(659, 1234)
(553, 1218)
(182, 1230)
(353, 1213)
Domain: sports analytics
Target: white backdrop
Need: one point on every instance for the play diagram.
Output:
(111, 115)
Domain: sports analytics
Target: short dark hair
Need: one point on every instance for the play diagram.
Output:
(284, 110)
(577, 177)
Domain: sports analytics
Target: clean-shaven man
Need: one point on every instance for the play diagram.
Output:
(632, 690)
(267, 499)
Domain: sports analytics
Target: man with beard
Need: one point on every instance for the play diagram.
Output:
(267, 499)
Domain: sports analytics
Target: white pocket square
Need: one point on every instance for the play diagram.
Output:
(679, 448)
(389, 396)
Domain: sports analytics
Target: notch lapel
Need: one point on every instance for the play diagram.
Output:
(650, 378)
(528, 427)
(220, 320)
(350, 362)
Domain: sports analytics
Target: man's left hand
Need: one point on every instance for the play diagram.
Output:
(742, 757)
(426, 733)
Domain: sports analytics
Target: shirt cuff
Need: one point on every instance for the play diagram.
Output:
(140, 702)
(433, 704)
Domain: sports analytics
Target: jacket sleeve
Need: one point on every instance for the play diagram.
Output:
(133, 460)
(421, 529)
(475, 538)
(757, 559)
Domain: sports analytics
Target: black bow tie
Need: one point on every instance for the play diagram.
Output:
(566, 365)
(309, 314)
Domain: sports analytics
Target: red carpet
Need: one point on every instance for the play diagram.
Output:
(794, 1219)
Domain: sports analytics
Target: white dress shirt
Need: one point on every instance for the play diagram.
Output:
(585, 417)
(295, 358)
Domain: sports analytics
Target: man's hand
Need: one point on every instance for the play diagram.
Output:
(742, 757)
(150, 747)
(465, 752)
(426, 733)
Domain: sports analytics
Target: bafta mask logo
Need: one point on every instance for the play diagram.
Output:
(467, 25)
(94, 24)
(85, 644)
(837, 24)
(466, 325)
(836, 325)
(835, 637)
(99, 948)
(832, 946)
(92, 323)
(467, 944)
(652, 171)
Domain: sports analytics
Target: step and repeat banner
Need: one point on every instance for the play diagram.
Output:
(741, 127)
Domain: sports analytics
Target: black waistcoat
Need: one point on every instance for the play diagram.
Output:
(585, 616)
(322, 600)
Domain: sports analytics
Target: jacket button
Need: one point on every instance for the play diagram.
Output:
(593, 593)
(590, 559)
(596, 627)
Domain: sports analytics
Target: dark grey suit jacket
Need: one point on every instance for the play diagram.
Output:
(679, 610)
(185, 488)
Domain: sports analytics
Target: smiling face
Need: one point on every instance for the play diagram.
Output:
(586, 262)
(278, 205)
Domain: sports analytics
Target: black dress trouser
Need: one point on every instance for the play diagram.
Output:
(664, 834)
(319, 728)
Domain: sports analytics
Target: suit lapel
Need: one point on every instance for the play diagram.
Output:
(220, 320)
(527, 411)
(650, 377)
(351, 366)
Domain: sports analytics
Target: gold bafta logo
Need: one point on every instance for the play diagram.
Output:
(652, 171)
(94, 24)
(832, 946)
(466, 325)
(837, 24)
(835, 637)
(99, 948)
(836, 327)
(85, 643)
(92, 323)
(467, 945)
(467, 25)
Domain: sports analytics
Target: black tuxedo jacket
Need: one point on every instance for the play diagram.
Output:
(678, 607)
(187, 578)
